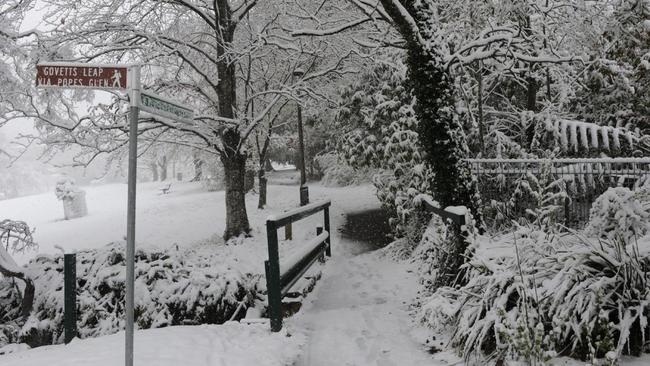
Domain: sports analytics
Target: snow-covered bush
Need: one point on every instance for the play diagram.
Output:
(66, 188)
(550, 295)
(442, 250)
(337, 173)
(377, 126)
(620, 212)
(74, 199)
(15, 237)
(172, 287)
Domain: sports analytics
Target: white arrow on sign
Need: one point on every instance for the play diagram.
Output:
(161, 106)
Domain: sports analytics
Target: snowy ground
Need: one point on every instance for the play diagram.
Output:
(357, 315)
(230, 344)
(184, 216)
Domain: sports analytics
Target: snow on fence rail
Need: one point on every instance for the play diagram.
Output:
(454, 213)
(280, 276)
(510, 184)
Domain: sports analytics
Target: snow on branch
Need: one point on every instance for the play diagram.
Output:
(573, 134)
(16, 236)
(329, 31)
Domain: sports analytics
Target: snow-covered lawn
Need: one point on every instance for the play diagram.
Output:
(186, 215)
(230, 344)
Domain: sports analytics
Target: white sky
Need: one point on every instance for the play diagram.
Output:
(34, 20)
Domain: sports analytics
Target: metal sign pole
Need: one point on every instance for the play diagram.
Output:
(130, 216)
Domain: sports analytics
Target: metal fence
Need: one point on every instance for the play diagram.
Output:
(514, 188)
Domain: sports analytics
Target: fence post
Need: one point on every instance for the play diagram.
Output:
(319, 230)
(326, 223)
(288, 232)
(70, 296)
(272, 267)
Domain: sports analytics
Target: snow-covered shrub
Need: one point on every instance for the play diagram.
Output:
(377, 126)
(66, 188)
(15, 237)
(620, 212)
(337, 172)
(551, 295)
(522, 197)
(74, 199)
(442, 251)
(172, 287)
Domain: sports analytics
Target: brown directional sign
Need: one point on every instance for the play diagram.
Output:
(58, 75)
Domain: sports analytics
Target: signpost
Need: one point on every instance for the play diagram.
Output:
(161, 106)
(118, 77)
(71, 75)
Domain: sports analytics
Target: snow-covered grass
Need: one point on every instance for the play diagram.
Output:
(185, 216)
(190, 279)
(226, 344)
(230, 344)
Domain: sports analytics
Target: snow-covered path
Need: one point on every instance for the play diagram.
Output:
(358, 313)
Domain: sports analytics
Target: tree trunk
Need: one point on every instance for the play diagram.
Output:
(264, 163)
(261, 175)
(531, 105)
(154, 171)
(267, 164)
(236, 217)
(198, 168)
(163, 168)
(481, 123)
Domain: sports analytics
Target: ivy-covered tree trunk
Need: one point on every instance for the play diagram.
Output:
(440, 133)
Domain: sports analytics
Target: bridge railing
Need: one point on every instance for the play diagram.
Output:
(281, 275)
(454, 214)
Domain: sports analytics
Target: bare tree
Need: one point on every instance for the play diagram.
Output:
(211, 55)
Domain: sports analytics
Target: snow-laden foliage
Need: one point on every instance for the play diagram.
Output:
(172, 287)
(378, 127)
(66, 188)
(523, 197)
(337, 173)
(16, 236)
(616, 86)
(542, 294)
(620, 212)
(442, 250)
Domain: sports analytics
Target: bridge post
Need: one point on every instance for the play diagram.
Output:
(272, 268)
(70, 297)
(326, 224)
